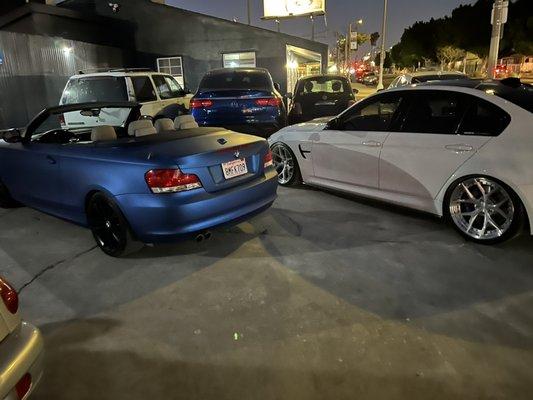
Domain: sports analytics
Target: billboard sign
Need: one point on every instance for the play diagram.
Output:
(276, 9)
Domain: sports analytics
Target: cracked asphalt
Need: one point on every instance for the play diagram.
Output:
(322, 297)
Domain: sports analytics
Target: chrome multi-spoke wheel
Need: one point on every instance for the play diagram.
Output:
(285, 164)
(483, 209)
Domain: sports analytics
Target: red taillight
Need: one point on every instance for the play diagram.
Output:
(171, 181)
(268, 161)
(23, 386)
(195, 103)
(9, 296)
(268, 102)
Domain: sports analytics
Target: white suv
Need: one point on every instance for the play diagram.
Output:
(160, 95)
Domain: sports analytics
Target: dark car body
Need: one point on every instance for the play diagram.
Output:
(57, 171)
(240, 99)
(320, 96)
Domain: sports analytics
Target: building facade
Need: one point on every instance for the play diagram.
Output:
(46, 44)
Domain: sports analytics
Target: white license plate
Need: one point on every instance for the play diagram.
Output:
(234, 168)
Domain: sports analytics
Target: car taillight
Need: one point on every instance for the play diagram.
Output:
(268, 102)
(268, 160)
(23, 386)
(9, 296)
(171, 181)
(195, 103)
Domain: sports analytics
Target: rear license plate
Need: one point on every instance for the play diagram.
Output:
(234, 168)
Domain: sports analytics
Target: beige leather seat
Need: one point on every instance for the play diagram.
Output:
(103, 133)
(164, 124)
(185, 122)
(142, 127)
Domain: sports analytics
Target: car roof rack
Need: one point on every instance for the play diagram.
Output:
(107, 69)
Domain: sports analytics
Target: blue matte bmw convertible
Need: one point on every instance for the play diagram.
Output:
(134, 181)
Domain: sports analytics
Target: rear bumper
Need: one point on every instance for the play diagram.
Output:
(170, 217)
(21, 352)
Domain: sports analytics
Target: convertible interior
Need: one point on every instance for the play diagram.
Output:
(105, 133)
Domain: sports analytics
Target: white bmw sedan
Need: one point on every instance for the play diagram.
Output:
(463, 152)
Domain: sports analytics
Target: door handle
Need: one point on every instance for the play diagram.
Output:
(372, 143)
(51, 160)
(459, 148)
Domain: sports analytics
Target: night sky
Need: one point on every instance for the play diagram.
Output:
(402, 13)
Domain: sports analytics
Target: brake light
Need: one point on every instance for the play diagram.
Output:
(23, 386)
(195, 103)
(268, 160)
(9, 296)
(269, 102)
(171, 181)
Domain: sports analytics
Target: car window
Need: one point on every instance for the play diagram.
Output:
(522, 95)
(375, 114)
(167, 87)
(93, 89)
(143, 88)
(436, 112)
(485, 119)
(236, 80)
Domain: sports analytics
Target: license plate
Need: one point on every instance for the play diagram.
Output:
(234, 168)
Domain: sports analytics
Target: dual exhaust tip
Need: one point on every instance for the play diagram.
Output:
(203, 236)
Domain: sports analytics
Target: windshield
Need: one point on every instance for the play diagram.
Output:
(95, 89)
(236, 80)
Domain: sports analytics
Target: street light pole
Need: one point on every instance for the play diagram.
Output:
(498, 18)
(383, 54)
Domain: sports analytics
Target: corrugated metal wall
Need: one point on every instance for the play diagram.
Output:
(36, 68)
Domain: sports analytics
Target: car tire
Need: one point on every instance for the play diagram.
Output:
(109, 227)
(286, 165)
(6, 201)
(484, 210)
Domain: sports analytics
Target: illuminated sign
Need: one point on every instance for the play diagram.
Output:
(275, 9)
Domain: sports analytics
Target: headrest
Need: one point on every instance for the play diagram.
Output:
(309, 86)
(102, 133)
(336, 86)
(141, 127)
(185, 122)
(163, 124)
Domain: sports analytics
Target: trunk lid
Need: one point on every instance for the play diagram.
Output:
(203, 155)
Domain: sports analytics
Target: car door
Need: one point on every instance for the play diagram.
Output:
(34, 179)
(427, 147)
(348, 150)
(145, 94)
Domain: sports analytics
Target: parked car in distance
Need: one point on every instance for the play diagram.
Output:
(21, 349)
(160, 94)
(370, 79)
(425, 76)
(319, 96)
(462, 152)
(240, 99)
(134, 182)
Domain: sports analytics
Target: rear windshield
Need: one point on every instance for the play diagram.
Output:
(426, 78)
(236, 80)
(324, 85)
(522, 96)
(92, 89)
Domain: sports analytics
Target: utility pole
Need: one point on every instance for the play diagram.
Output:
(383, 54)
(498, 19)
(249, 11)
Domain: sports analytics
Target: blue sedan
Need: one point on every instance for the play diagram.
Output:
(134, 183)
(241, 99)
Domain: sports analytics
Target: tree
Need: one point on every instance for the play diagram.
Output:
(449, 54)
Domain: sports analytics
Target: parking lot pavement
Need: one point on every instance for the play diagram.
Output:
(322, 297)
(364, 91)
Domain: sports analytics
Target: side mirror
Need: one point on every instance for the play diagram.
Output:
(277, 86)
(11, 135)
(289, 95)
